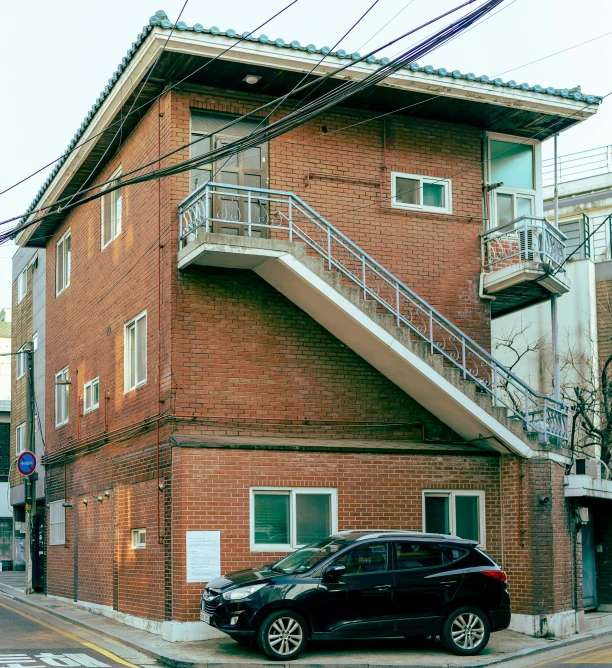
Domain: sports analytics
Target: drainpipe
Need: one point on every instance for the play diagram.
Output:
(553, 298)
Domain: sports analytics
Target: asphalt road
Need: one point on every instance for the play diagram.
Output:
(33, 639)
(593, 653)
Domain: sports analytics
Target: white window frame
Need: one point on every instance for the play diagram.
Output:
(135, 541)
(91, 384)
(127, 355)
(67, 262)
(110, 199)
(62, 376)
(536, 193)
(21, 363)
(22, 285)
(20, 434)
(292, 492)
(451, 495)
(448, 191)
(57, 518)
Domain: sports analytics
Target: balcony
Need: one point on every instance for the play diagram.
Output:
(522, 264)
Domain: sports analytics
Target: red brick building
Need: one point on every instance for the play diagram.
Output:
(252, 360)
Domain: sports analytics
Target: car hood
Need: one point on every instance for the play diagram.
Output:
(245, 577)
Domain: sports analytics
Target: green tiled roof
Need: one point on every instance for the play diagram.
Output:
(160, 19)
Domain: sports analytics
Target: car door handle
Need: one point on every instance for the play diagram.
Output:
(448, 583)
(382, 587)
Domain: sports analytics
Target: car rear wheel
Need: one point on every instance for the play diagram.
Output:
(466, 631)
(282, 635)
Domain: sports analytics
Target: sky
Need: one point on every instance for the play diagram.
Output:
(57, 57)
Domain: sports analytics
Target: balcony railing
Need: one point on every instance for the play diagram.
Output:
(275, 214)
(525, 239)
(580, 165)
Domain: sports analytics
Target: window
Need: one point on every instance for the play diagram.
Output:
(139, 538)
(21, 362)
(371, 558)
(35, 341)
(57, 523)
(136, 352)
(422, 193)
(20, 435)
(410, 556)
(62, 263)
(62, 385)
(284, 519)
(460, 513)
(91, 395)
(22, 285)
(111, 212)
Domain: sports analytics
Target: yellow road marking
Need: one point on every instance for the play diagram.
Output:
(582, 652)
(601, 656)
(67, 634)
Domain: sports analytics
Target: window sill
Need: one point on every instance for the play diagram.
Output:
(131, 389)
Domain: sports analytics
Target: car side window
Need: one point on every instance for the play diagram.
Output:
(369, 558)
(410, 556)
(454, 554)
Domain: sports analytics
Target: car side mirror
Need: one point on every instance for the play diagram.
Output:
(334, 572)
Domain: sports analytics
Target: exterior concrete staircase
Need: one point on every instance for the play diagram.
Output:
(372, 312)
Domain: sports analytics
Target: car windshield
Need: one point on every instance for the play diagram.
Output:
(311, 555)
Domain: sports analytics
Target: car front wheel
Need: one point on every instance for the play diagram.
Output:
(466, 631)
(282, 635)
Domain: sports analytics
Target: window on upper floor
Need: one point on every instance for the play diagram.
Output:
(62, 389)
(421, 193)
(62, 263)
(20, 434)
(457, 512)
(139, 539)
(22, 285)
(111, 211)
(135, 356)
(57, 523)
(21, 362)
(91, 395)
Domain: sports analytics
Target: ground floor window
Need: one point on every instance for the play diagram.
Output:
(460, 513)
(285, 519)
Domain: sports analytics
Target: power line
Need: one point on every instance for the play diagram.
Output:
(386, 24)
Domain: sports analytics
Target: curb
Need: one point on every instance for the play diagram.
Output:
(171, 662)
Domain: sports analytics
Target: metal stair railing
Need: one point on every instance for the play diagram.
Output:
(258, 212)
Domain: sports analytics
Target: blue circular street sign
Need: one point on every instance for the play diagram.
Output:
(26, 463)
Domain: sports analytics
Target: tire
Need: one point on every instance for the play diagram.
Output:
(282, 635)
(466, 631)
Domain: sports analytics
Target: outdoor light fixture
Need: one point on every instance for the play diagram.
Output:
(100, 498)
(107, 493)
(85, 501)
(67, 505)
(251, 79)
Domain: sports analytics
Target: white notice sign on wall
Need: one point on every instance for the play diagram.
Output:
(203, 555)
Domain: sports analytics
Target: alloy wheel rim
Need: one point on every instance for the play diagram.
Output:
(467, 630)
(285, 635)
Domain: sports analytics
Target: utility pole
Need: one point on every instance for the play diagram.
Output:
(30, 480)
(553, 298)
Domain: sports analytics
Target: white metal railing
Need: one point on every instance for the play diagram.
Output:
(580, 165)
(525, 239)
(283, 215)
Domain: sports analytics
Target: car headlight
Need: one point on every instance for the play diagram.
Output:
(242, 592)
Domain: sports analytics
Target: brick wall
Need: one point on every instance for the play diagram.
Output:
(603, 293)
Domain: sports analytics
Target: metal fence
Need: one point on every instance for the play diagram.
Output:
(580, 165)
(283, 215)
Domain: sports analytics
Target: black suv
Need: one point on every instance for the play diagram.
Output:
(364, 584)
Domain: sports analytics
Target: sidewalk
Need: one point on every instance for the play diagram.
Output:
(225, 653)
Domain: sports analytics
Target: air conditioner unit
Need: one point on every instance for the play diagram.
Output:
(531, 244)
(590, 467)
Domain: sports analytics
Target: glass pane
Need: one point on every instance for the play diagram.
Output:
(131, 356)
(407, 191)
(417, 555)
(227, 161)
(434, 195)
(201, 145)
(67, 259)
(512, 164)
(88, 397)
(271, 519)
(436, 514)
(199, 177)
(65, 391)
(118, 205)
(252, 180)
(365, 559)
(252, 158)
(60, 266)
(313, 517)
(141, 350)
(466, 511)
(106, 219)
(96, 394)
(504, 208)
(524, 206)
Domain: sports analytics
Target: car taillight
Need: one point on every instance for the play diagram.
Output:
(496, 575)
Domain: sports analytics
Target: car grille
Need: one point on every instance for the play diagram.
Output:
(210, 601)
(211, 608)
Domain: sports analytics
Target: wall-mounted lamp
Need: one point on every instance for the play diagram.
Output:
(251, 79)
(67, 505)
(543, 500)
(100, 498)
(85, 501)
(107, 493)
(161, 486)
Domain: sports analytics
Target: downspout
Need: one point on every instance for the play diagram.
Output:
(484, 154)
(553, 297)
(160, 487)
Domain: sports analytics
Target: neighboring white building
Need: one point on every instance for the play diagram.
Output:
(6, 512)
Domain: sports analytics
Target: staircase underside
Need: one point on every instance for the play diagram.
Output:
(354, 321)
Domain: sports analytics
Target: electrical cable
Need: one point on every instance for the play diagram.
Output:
(298, 117)
(403, 9)
(164, 92)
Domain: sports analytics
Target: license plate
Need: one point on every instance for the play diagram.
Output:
(205, 617)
